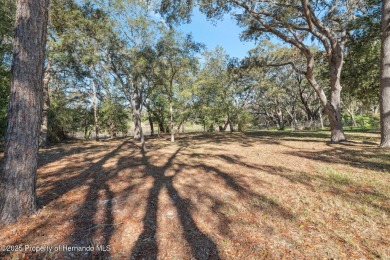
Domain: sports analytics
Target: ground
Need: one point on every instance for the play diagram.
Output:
(250, 195)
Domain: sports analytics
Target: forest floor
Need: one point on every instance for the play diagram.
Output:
(255, 195)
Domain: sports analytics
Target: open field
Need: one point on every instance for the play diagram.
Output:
(217, 196)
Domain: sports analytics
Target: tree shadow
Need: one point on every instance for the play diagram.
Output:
(367, 158)
(262, 202)
(62, 186)
(55, 153)
(100, 199)
(85, 224)
(344, 188)
(249, 139)
(202, 246)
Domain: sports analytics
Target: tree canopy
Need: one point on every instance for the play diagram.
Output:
(115, 66)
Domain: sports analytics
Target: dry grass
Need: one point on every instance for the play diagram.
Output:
(222, 196)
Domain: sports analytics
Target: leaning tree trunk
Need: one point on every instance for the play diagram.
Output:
(45, 106)
(18, 178)
(231, 126)
(226, 125)
(385, 76)
(332, 108)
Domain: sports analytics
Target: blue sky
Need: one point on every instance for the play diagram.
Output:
(224, 33)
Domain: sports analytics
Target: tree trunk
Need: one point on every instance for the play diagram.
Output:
(240, 127)
(112, 130)
(280, 118)
(137, 107)
(161, 128)
(18, 178)
(137, 116)
(45, 106)
(375, 110)
(308, 110)
(179, 126)
(95, 111)
(352, 114)
(226, 125)
(385, 76)
(86, 128)
(171, 123)
(332, 107)
(293, 116)
(143, 144)
(321, 118)
(151, 125)
(231, 126)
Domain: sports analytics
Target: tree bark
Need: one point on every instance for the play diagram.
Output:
(293, 116)
(137, 107)
(332, 108)
(352, 114)
(179, 126)
(95, 111)
(385, 76)
(171, 123)
(309, 112)
(161, 128)
(137, 116)
(151, 125)
(18, 178)
(226, 125)
(231, 126)
(321, 118)
(45, 106)
(280, 119)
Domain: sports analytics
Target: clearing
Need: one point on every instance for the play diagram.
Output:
(216, 196)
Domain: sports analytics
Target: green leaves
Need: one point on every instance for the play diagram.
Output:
(7, 11)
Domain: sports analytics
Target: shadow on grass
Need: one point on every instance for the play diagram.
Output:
(89, 229)
(337, 184)
(55, 153)
(202, 246)
(251, 139)
(85, 220)
(366, 155)
(86, 227)
(371, 158)
(85, 224)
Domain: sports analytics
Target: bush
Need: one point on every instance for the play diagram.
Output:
(369, 121)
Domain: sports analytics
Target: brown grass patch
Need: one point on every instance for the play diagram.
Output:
(219, 196)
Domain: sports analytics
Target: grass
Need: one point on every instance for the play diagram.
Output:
(257, 195)
(335, 177)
